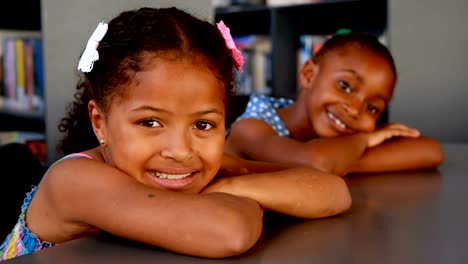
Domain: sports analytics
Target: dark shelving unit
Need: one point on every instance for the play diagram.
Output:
(21, 121)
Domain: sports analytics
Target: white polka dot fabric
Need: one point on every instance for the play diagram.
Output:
(264, 107)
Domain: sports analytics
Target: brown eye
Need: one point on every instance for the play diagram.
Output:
(374, 110)
(203, 125)
(150, 123)
(344, 86)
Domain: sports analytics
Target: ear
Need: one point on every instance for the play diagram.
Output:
(97, 118)
(307, 74)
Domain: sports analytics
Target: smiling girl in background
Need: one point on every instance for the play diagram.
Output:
(332, 126)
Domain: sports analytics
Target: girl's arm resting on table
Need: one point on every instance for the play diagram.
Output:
(333, 155)
(400, 154)
(337, 155)
(209, 225)
(393, 147)
(301, 192)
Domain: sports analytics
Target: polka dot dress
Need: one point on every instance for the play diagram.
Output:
(264, 107)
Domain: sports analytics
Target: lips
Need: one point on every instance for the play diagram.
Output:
(339, 124)
(337, 121)
(173, 181)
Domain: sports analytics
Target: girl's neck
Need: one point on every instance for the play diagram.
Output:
(297, 121)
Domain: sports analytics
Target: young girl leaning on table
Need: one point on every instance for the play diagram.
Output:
(145, 140)
(332, 125)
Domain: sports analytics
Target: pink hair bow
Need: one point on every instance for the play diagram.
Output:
(235, 53)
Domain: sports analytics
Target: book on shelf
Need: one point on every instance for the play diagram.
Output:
(256, 76)
(22, 86)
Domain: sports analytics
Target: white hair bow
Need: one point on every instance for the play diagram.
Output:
(90, 54)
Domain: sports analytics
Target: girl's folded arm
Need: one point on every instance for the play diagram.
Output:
(338, 155)
(332, 155)
(301, 192)
(400, 154)
(211, 225)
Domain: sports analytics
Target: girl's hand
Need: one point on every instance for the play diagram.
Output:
(389, 131)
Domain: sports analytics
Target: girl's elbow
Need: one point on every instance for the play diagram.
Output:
(332, 199)
(435, 153)
(344, 199)
(239, 240)
(241, 231)
(438, 156)
(340, 198)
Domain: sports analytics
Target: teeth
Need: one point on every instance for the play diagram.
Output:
(170, 176)
(337, 121)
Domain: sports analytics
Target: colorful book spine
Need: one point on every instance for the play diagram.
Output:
(38, 67)
(20, 76)
(9, 69)
(29, 73)
(23, 81)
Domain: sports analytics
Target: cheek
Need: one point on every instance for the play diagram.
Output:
(212, 151)
(321, 96)
(367, 125)
(316, 105)
(127, 147)
(130, 153)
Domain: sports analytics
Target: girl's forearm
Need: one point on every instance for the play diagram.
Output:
(399, 155)
(216, 225)
(300, 192)
(336, 155)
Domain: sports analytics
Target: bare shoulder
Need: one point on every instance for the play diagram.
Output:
(67, 171)
(245, 132)
(253, 125)
(76, 177)
(69, 188)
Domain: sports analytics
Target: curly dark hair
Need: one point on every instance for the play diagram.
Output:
(133, 39)
(364, 40)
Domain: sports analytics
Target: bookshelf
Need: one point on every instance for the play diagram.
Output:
(284, 25)
(19, 19)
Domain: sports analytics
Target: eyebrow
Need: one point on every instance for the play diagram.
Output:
(383, 98)
(159, 110)
(354, 73)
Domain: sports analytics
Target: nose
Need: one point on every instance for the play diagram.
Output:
(177, 147)
(353, 107)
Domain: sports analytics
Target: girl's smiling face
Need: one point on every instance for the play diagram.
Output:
(167, 129)
(347, 91)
